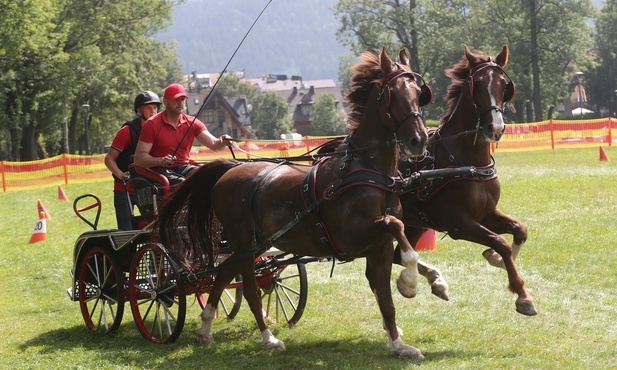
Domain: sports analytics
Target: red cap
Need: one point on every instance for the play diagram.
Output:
(174, 91)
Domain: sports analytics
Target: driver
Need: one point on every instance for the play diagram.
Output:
(166, 138)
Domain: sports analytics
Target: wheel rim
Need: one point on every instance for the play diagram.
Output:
(284, 293)
(101, 291)
(156, 293)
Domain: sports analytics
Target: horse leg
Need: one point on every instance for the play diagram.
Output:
(477, 233)
(251, 294)
(223, 278)
(378, 270)
(439, 286)
(407, 283)
(500, 223)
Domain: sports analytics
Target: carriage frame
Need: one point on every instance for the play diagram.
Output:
(112, 267)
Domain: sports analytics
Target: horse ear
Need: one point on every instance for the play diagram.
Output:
(386, 62)
(502, 58)
(402, 56)
(470, 57)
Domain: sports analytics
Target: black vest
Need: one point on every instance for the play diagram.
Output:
(125, 158)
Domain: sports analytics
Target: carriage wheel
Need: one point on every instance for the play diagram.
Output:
(156, 293)
(284, 295)
(230, 301)
(101, 291)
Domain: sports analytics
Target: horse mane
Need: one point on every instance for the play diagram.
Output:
(458, 73)
(367, 72)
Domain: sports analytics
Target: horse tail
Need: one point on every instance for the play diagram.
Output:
(186, 224)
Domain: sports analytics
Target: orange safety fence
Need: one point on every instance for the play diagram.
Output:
(72, 168)
(554, 134)
(67, 168)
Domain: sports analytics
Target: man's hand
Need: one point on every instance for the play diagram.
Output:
(225, 140)
(167, 160)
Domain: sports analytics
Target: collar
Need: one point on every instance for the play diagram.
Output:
(181, 121)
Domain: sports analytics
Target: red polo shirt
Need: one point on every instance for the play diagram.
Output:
(165, 138)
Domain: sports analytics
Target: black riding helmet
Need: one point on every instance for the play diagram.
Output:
(146, 97)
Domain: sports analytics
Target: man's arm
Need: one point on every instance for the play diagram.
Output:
(207, 139)
(110, 162)
(144, 159)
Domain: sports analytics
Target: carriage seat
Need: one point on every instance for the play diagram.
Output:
(150, 188)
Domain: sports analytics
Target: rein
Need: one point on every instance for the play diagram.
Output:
(371, 176)
(207, 99)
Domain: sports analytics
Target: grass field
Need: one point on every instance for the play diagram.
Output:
(567, 198)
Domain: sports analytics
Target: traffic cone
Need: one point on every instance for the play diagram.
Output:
(603, 156)
(40, 230)
(427, 242)
(62, 194)
(41, 209)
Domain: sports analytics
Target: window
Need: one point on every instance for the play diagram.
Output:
(306, 109)
(209, 116)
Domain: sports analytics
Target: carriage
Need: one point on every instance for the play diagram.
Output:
(112, 267)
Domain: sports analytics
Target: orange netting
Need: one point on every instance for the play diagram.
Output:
(557, 134)
(67, 168)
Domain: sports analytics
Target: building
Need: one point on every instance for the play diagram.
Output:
(221, 115)
(230, 115)
(300, 96)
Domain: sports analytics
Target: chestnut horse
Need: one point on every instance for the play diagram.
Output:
(345, 206)
(466, 207)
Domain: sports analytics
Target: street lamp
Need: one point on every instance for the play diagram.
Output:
(86, 107)
(579, 77)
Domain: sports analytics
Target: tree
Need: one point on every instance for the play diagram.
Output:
(346, 62)
(548, 39)
(602, 86)
(230, 85)
(57, 55)
(326, 118)
(270, 116)
(432, 33)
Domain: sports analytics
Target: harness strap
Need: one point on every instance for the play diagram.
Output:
(311, 202)
(486, 173)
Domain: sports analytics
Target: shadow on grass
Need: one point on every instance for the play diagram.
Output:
(235, 347)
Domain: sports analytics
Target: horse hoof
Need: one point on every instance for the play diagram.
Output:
(405, 290)
(276, 345)
(441, 292)
(204, 339)
(411, 353)
(526, 308)
(493, 258)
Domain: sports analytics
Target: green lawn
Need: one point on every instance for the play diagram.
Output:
(567, 198)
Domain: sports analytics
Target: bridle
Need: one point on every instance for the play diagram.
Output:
(425, 97)
(508, 91)
(508, 94)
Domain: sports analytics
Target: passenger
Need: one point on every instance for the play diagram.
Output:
(167, 138)
(121, 153)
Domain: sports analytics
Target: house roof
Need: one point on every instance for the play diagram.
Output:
(269, 83)
(298, 97)
(236, 106)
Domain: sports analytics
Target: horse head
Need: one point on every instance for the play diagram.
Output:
(489, 88)
(402, 94)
